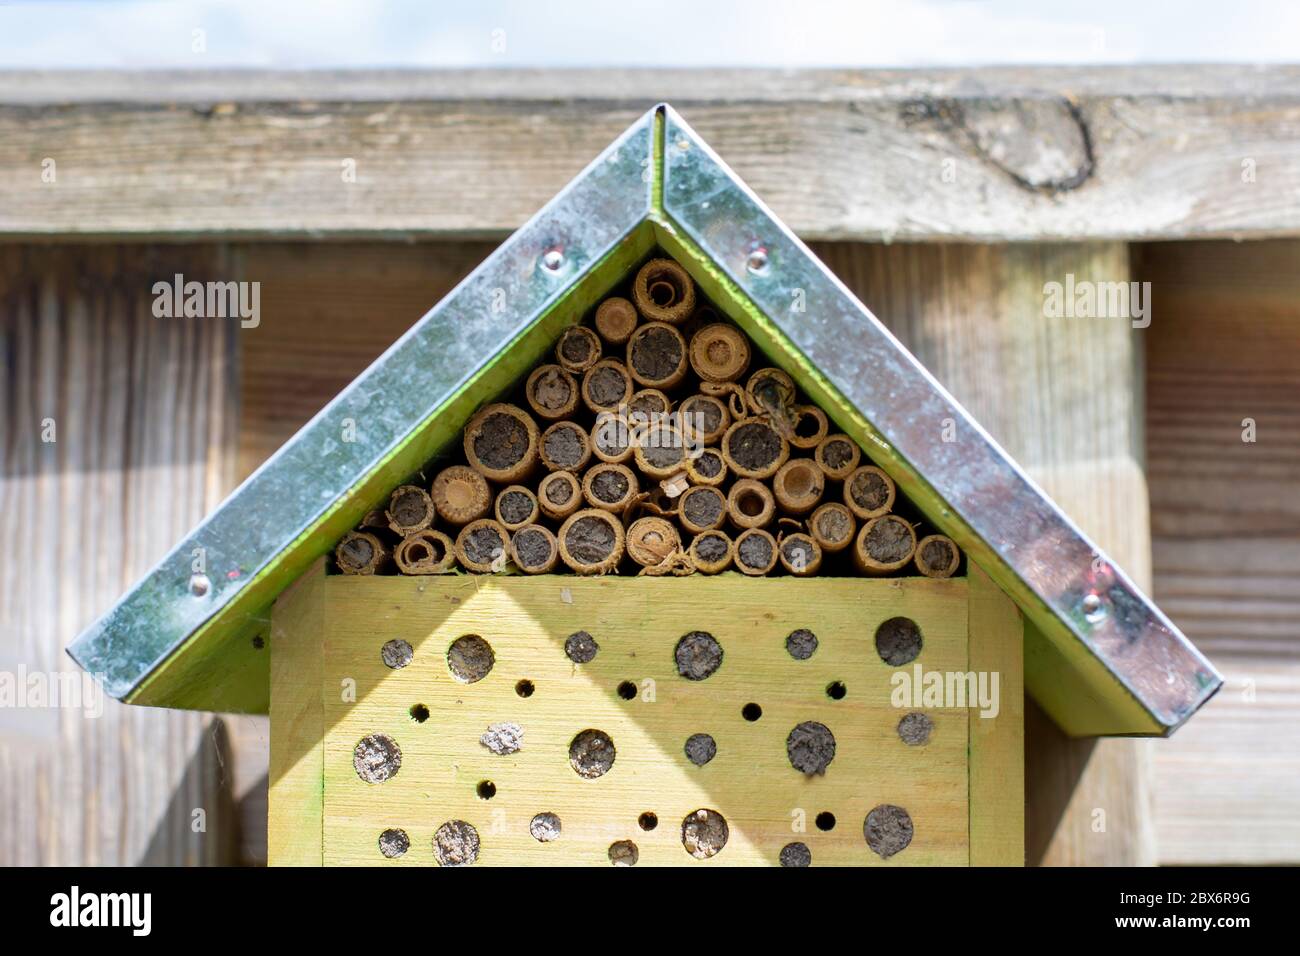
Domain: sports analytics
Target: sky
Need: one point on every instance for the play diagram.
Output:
(301, 34)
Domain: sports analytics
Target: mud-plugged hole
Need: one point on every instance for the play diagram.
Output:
(470, 658)
(898, 641)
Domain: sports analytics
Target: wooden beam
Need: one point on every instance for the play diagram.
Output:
(1063, 397)
(975, 154)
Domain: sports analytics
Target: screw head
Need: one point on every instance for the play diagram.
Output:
(553, 260)
(757, 263)
(200, 585)
(1094, 611)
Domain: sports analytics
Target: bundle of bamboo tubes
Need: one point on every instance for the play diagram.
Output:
(652, 441)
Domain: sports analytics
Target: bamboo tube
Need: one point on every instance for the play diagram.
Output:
(565, 446)
(611, 438)
(483, 546)
(719, 353)
(516, 506)
(706, 467)
(810, 426)
(702, 508)
(559, 494)
(425, 552)
(663, 292)
(460, 494)
(711, 552)
(800, 554)
(610, 487)
(884, 544)
(869, 492)
(832, 526)
(410, 509)
(606, 386)
(552, 392)
(769, 391)
(703, 419)
(534, 549)
(937, 556)
(837, 455)
(656, 355)
(753, 448)
(501, 443)
(647, 404)
(578, 349)
(616, 320)
(798, 485)
(750, 504)
(736, 401)
(755, 552)
(652, 540)
(660, 450)
(360, 552)
(591, 541)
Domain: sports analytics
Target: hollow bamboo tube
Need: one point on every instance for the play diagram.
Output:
(656, 355)
(578, 349)
(798, 485)
(610, 487)
(711, 552)
(360, 552)
(606, 386)
(937, 556)
(703, 419)
(837, 455)
(663, 292)
(701, 508)
(659, 450)
(501, 443)
(768, 391)
(755, 552)
(616, 320)
(552, 392)
(410, 509)
(516, 507)
(460, 494)
(800, 554)
(565, 446)
(425, 552)
(750, 504)
(591, 541)
(884, 544)
(559, 494)
(869, 492)
(483, 546)
(707, 467)
(810, 426)
(652, 540)
(611, 438)
(534, 549)
(753, 448)
(833, 526)
(719, 353)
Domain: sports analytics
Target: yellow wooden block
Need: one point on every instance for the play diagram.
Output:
(637, 623)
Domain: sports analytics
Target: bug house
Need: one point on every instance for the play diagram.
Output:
(648, 545)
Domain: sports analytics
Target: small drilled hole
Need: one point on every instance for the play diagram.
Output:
(627, 690)
(259, 642)
(825, 820)
(647, 821)
(525, 688)
(836, 690)
(486, 790)
(419, 713)
(751, 712)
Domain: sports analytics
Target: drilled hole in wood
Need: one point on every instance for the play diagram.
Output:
(898, 641)
(376, 758)
(470, 658)
(700, 749)
(580, 647)
(396, 654)
(801, 644)
(486, 789)
(751, 712)
(888, 830)
(810, 747)
(915, 729)
(825, 821)
(836, 690)
(545, 827)
(623, 853)
(456, 843)
(796, 854)
(393, 843)
(627, 690)
(704, 833)
(591, 754)
(698, 655)
(259, 642)
(647, 821)
(525, 688)
(419, 713)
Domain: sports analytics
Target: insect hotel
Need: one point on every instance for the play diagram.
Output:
(647, 545)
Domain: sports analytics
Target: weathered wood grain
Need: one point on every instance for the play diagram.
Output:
(144, 412)
(766, 802)
(1223, 347)
(983, 154)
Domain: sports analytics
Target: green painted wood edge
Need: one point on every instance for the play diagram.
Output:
(217, 667)
(1064, 675)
